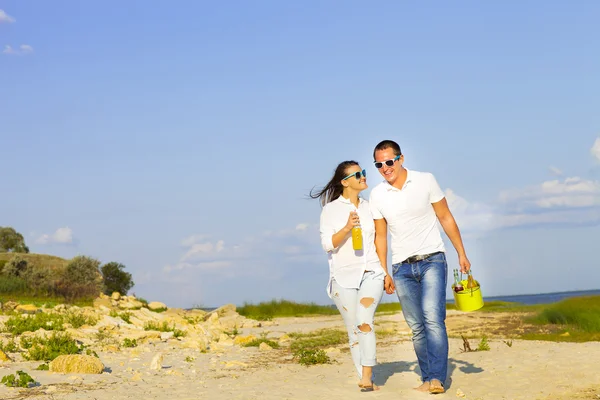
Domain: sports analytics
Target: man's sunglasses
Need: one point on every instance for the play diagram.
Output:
(357, 174)
(389, 163)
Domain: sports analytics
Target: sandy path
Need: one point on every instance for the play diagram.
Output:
(528, 370)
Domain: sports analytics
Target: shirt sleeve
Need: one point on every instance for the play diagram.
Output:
(373, 207)
(435, 192)
(327, 230)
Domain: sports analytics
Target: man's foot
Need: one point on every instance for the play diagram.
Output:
(423, 388)
(436, 387)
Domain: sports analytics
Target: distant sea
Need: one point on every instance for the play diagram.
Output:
(542, 298)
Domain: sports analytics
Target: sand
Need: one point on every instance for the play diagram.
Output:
(526, 370)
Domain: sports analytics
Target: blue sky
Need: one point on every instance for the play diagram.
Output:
(182, 140)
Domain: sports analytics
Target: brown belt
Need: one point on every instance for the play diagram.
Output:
(420, 257)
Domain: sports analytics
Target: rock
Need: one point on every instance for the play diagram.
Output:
(242, 340)
(4, 357)
(234, 364)
(264, 347)
(225, 340)
(116, 296)
(77, 363)
(28, 309)
(130, 305)
(223, 311)
(156, 363)
(9, 306)
(157, 305)
(284, 338)
(166, 335)
(102, 302)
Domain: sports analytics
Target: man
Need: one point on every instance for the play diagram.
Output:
(410, 203)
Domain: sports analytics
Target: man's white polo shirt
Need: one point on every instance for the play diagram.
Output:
(347, 265)
(409, 214)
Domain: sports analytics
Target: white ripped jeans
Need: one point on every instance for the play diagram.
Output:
(357, 307)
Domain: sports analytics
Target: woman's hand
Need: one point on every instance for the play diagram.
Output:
(353, 221)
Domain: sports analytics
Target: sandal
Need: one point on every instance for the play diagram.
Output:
(368, 388)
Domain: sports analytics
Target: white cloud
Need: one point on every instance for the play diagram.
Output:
(24, 49)
(4, 17)
(61, 236)
(202, 250)
(570, 201)
(191, 240)
(595, 150)
(302, 227)
(256, 254)
(555, 171)
(569, 192)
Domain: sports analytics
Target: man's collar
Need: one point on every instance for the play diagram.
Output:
(389, 186)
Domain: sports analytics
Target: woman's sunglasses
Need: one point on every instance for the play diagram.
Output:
(357, 174)
(389, 163)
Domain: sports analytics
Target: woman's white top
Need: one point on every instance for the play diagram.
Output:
(347, 265)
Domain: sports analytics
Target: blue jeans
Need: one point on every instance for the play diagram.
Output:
(421, 290)
(357, 307)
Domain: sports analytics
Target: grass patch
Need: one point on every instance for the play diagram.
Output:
(47, 349)
(318, 339)
(257, 342)
(311, 357)
(164, 327)
(580, 313)
(42, 301)
(125, 316)
(17, 324)
(53, 263)
(129, 342)
(266, 311)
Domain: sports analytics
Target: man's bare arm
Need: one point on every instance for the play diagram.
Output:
(442, 211)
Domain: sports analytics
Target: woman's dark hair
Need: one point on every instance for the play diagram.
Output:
(334, 188)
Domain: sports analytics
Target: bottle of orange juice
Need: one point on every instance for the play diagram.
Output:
(357, 239)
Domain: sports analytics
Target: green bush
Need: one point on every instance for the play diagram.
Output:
(81, 278)
(312, 357)
(40, 280)
(20, 379)
(2, 263)
(15, 267)
(116, 279)
(18, 324)
(12, 285)
(47, 349)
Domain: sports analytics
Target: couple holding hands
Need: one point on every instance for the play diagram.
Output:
(408, 203)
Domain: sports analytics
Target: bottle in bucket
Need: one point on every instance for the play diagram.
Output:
(458, 287)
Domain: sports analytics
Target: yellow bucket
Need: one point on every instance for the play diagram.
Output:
(468, 299)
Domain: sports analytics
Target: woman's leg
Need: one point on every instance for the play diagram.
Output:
(346, 301)
(369, 296)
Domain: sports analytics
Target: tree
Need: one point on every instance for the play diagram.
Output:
(115, 279)
(81, 278)
(11, 240)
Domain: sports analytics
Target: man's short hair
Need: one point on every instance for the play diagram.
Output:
(387, 144)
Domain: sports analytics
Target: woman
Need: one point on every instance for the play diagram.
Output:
(355, 276)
